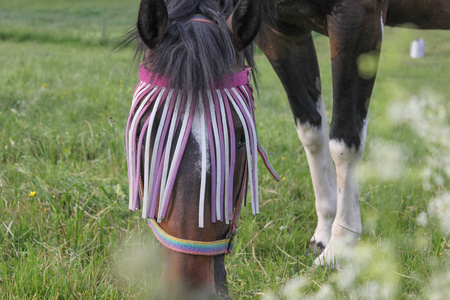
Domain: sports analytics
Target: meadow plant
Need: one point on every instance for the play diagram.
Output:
(440, 209)
(135, 262)
(439, 287)
(429, 117)
(367, 271)
(386, 162)
(374, 268)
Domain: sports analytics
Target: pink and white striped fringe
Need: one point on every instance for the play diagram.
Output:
(214, 110)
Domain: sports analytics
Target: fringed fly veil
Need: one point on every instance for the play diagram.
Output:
(177, 110)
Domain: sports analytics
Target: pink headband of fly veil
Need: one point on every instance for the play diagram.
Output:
(178, 111)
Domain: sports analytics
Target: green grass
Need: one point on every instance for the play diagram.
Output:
(63, 106)
(82, 22)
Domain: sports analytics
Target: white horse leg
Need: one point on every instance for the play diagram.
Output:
(315, 142)
(347, 225)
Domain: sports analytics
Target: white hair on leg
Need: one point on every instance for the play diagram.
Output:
(347, 225)
(315, 141)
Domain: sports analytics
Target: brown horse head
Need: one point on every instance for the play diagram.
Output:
(191, 138)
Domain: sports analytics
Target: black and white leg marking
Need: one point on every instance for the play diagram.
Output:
(315, 142)
(295, 61)
(347, 226)
(354, 31)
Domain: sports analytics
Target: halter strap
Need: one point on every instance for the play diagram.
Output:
(190, 247)
(219, 247)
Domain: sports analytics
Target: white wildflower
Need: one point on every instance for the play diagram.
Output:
(293, 288)
(324, 293)
(422, 219)
(384, 161)
(428, 115)
(268, 296)
(439, 287)
(440, 208)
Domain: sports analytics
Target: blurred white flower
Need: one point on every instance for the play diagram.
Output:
(370, 274)
(422, 219)
(293, 288)
(440, 208)
(347, 277)
(439, 287)
(385, 161)
(428, 115)
(325, 293)
(268, 296)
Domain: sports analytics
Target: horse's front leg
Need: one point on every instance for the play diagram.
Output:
(293, 57)
(355, 31)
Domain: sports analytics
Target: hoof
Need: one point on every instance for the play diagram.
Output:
(323, 262)
(315, 249)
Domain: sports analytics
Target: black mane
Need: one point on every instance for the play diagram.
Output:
(193, 54)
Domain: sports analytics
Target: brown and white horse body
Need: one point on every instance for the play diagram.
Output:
(355, 30)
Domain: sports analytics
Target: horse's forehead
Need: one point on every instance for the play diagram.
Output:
(199, 133)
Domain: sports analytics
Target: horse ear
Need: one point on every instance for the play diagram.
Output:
(244, 22)
(152, 21)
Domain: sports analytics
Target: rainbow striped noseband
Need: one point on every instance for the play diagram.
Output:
(212, 109)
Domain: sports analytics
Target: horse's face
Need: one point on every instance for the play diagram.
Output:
(209, 182)
(187, 272)
(191, 273)
(209, 128)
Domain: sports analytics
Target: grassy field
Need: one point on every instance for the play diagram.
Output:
(66, 232)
